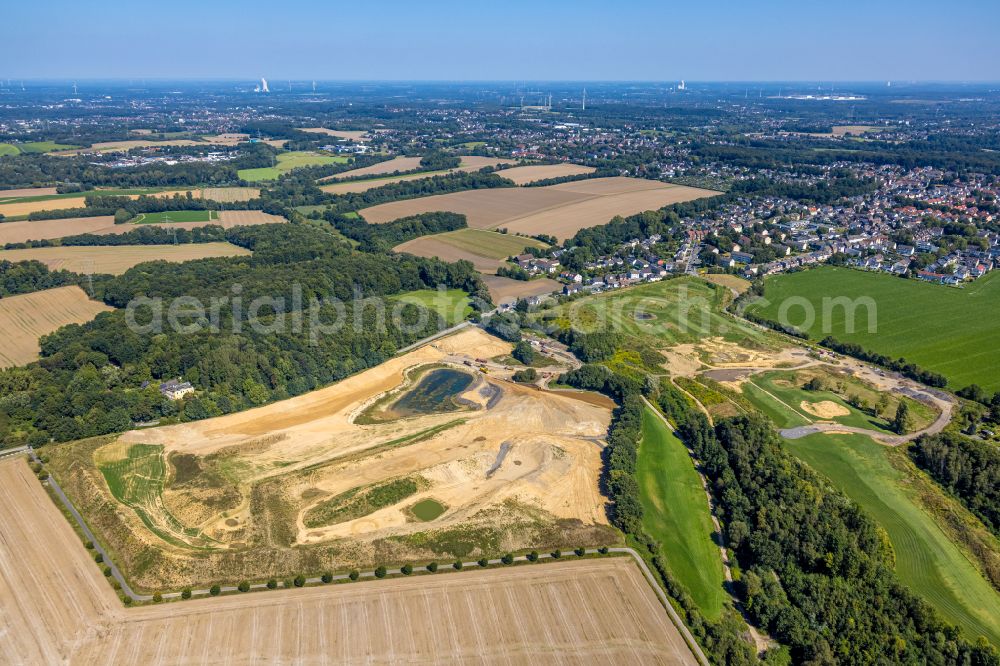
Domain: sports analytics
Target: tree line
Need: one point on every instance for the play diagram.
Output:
(967, 467)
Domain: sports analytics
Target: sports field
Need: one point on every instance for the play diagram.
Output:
(287, 162)
(487, 250)
(926, 560)
(943, 329)
(58, 608)
(559, 210)
(117, 259)
(676, 514)
(27, 317)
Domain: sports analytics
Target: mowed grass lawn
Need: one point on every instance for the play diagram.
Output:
(955, 332)
(675, 311)
(287, 162)
(177, 216)
(452, 304)
(676, 514)
(926, 560)
(778, 395)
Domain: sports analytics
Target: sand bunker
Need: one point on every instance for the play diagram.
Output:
(825, 409)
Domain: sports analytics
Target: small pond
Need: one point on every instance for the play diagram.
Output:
(434, 393)
(428, 509)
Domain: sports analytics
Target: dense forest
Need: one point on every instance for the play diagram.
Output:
(23, 277)
(817, 571)
(968, 468)
(383, 237)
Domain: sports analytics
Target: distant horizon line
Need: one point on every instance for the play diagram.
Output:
(250, 79)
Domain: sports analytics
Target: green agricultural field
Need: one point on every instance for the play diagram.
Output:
(943, 329)
(926, 560)
(287, 162)
(492, 244)
(452, 304)
(177, 216)
(675, 513)
(33, 147)
(44, 146)
(671, 312)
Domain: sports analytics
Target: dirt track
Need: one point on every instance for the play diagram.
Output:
(56, 608)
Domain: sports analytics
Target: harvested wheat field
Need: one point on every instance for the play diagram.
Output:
(111, 146)
(229, 194)
(487, 250)
(233, 218)
(27, 207)
(28, 192)
(17, 208)
(20, 232)
(57, 608)
(559, 210)
(379, 173)
(530, 174)
(351, 135)
(484, 209)
(330, 479)
(27, 317)
(117, 259)
(567, 220)
(505, 290)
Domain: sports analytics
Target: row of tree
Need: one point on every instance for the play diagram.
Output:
(968, 468)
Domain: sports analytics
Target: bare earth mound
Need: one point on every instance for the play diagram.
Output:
(26, 318)
(313, 482)
(530, 174)
(115, 260)
(57, 608)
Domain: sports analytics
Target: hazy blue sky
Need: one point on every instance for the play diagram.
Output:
(516, 39)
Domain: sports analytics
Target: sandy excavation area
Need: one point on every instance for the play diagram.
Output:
(56, 607)
(286, 487)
